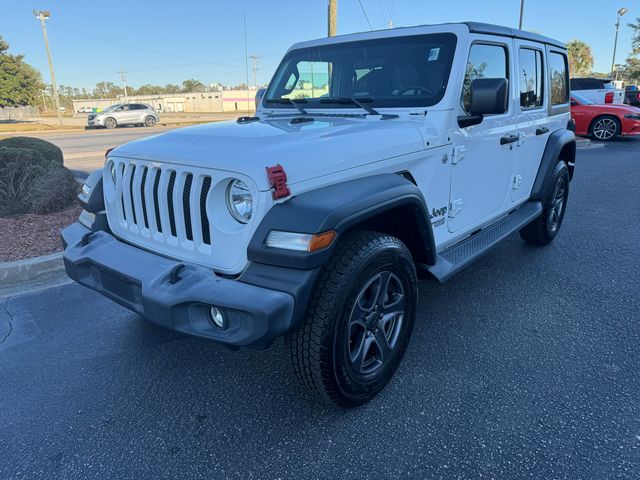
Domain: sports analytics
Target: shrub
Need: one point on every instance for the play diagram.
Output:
(53, 192)
(47, 149)
(30, 183)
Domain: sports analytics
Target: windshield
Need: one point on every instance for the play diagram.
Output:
(112, 108)
(390, 72)
(580, 99)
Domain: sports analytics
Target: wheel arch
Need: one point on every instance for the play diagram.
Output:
(598, 117)
(561, 145)
(387, 203)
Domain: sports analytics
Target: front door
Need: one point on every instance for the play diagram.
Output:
(482, 162)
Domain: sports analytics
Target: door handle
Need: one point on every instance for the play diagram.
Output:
(542, 130)
(508, 139)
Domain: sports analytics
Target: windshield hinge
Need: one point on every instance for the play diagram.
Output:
(278, 180)
(458, 155)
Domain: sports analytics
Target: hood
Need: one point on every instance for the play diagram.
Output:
(305, 150)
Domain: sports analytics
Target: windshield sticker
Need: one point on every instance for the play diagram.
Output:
(434, 53)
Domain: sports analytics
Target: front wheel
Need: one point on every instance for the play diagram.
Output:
(605, 128)
(110, 123)
(545, 228)
(149, 121)
(359, 320)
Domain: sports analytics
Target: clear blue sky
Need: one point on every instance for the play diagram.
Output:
(203, 39)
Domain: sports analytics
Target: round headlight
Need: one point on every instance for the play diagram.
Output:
(239, 201)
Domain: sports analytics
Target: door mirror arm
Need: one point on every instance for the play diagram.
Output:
(465, 121)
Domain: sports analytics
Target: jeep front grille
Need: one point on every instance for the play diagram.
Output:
(164, 203)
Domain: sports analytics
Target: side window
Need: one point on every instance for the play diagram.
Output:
(558, 74)
(531, 86)
(485, 61)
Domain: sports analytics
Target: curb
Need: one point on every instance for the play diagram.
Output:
(22, 276)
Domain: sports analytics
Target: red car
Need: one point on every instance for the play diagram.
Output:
(603, 122)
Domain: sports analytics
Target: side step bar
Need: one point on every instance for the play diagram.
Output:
(458, 256)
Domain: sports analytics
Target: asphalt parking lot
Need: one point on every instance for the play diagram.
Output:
(524, 366)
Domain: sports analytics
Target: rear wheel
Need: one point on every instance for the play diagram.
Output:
(605, 128)
(110, 122)
(545, 228)
(149, 121)
(359, 320)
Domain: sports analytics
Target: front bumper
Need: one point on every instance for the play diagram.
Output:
(95, 122)
(175, 297)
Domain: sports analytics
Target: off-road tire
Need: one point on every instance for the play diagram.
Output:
(554, 205)
(110, 122)
(321, 347)
(605, 128)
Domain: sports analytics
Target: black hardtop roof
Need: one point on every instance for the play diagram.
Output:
(487, 28)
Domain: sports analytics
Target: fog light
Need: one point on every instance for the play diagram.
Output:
(216, 317)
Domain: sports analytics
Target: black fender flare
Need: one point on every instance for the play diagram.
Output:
(340, 207)
(561, 144)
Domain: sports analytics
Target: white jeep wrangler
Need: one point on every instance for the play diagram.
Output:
(371, 158)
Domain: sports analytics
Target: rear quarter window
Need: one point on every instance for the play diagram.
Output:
(559, 82)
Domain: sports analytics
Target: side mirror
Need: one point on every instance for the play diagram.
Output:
(259, 95)
(489, 96)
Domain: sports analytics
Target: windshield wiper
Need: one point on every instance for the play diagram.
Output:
(289, 101)
(360, 102)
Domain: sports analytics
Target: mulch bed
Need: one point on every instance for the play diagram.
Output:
(26, 236)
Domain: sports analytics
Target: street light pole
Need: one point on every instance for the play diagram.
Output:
(621, 12)
(521, 14)
(43, 15)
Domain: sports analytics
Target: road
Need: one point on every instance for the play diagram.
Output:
(84, 151)
(524, 366)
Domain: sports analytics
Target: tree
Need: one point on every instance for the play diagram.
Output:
(580, 58)
(107, 90)
(20, 83)
(631, 69)
(192, 85)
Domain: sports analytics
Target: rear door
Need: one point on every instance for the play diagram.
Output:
(532, 118)
(482, 162)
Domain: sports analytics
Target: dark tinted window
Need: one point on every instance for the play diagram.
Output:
(387, 72)
(485, 61)
(531, 83)
(559, 81)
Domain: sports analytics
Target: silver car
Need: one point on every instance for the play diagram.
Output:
(139, 114)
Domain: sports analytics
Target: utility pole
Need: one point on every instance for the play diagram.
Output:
(246, 63)
(332, 16)
(521, 13)
(255, 59)
(123, 75)
(621, 12)
(43, 15)
(44, 103)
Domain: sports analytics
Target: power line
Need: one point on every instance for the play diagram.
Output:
(143, 49)
(365, 14)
